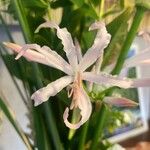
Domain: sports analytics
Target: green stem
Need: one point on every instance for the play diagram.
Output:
(101, 8)
(83, 136)
(99, 127)
(129, 39)
(49, 11)
(52, 126)
(47, 110)
(39, 130)
(23, 20)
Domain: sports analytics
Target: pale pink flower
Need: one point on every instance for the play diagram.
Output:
(75, 70)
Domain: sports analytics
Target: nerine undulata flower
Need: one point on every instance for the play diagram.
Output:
(75, 70)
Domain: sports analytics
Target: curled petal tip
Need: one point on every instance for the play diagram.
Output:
(67, 123)
(21, 53)
(37, 98)
(18, 56)
(46, 25)
(97, 25)
(37, 30)
(66, 113)
(85, 107)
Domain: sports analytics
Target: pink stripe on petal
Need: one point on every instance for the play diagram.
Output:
(100, 43)
(51, 89)
(78, 50)
(107, 79)
(84, 104)
(120, 102)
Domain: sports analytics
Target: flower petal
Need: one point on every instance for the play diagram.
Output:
(54, 59)
(145, 34)
(78, 50)
(30, 54)
(141, 82)
(100, 43)
(120, 102)
(51, 89)
(67, 41)
(42, 55)
(84, 104)
(107, 79)
(142, 58)
(89, 85)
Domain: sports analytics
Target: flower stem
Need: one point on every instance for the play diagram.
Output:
(83, 136)
(23, 20)
(129, 39)
(101, 8)
(99, 127)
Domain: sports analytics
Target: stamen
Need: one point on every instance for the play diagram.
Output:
(73, 91)
(70, 92)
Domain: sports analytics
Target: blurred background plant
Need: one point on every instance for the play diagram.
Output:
(122, 17)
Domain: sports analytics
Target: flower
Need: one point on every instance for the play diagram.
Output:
(75, 70)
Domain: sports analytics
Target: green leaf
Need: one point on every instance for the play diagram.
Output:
(60, 3)
(145, 4)
(42, 141)
(8, 112)
(89, 11)
(96, 2)
(140, 11)
(13, 65)
(35, 4)
(122, 3)
(79, 3)
(118, 21)
(99, 128)
(88, 38)
(118, 30)
(41, 40)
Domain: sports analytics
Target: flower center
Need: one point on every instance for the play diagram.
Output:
(73, 90)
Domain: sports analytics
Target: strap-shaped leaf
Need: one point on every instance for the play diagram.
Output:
(118, 29)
